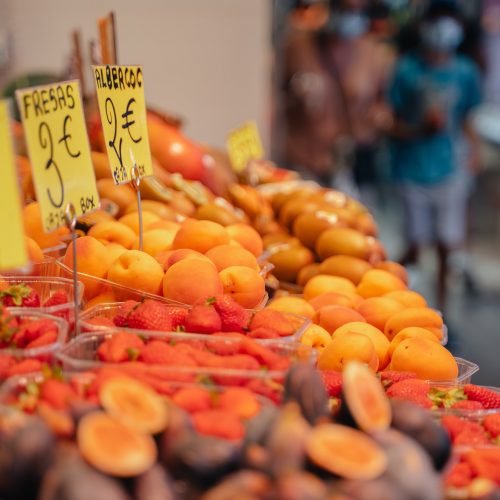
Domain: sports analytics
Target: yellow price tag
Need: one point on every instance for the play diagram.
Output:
(243, 145)
(58, 146)
(13, 252)
(120, 92)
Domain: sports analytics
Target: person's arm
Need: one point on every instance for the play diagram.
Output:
(474, 162)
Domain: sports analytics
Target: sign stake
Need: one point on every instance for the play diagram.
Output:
(71, 219)
(136, 184)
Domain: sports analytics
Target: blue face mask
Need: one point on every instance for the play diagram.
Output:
(348, 25)
(442, 35)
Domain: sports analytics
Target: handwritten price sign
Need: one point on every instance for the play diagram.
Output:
(120, 92)
(58, 146)
(243, 145)
(12, 242)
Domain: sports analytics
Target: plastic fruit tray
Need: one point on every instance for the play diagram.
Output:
(44, 353)
(465, 371)
(81, 355)
(109, 311)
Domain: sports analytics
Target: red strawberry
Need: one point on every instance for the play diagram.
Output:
(56, 393)
(20, 295)
(470, 437)
(46, 338)
(120, 347)
(234, 317)
(492, 424)
(488, 398)
(9, 326)
(192, 399)
(453, 425)
(263, 333)
(485, 463)
(24, 367)
(333, 383)
(203, 319)
(220, 423)
(178, 317)
(31, 330)
(150, 315)
(414, 390)
(389, 377)
(468, 405)
(459, 476)
(57, 298)
(262, 354)
(158, 352)
(121, 317)
(273, 320)
(6, 363)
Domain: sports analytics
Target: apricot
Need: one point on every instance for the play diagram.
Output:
(191, 280)
(415, 316)
(113, 232)
(293, 305)
(136, 269)
(289, 260)
(342, 241)
(377, 282)
(35, 253)
(163, 224)
(162, 210)
(306, 273)
(408, 298)
(32, 222)
(224, 256)
(123, 195)
(114, 448)
(162, 258)
(247, 237)
(345, 266)
(132, 220)
(200, 235)
(246, 286)
(184, 253)
(427, 358)
(323, 283)
(411, 332)
(377, 337)
(365, 223)
(105, 297)
(336, 299)
(276, 238)
(376, 251)
(344, 348)
(155, 241)
(295, 207)
(333, 317)
(92, 259)
(377, 310)
(395, 268)
(307, 227)
(100, 162)
(114, 251)
(316, 337)
(224, 216)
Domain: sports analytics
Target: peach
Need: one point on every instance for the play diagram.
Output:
(408, 298)
(132, 220)
(336, 299)
(377, 282)
(136, 269)
(345, 266)
(333, 317)
(200, 235)
(32, 221)
(293, 305)
(35, 253)
(113, 232)
(123, 195)
(316, 337)
(191, 280)
(155, 241)
(377, 310)
(92, 258)
(247, 237)
(224, 256)
(323, 283)
(245, 285)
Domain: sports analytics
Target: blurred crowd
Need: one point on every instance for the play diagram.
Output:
(374, 91)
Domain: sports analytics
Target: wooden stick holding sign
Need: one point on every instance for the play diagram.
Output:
(59, 151)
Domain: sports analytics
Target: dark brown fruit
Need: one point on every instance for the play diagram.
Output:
(301, 486)
(155, 484)
(246, 484)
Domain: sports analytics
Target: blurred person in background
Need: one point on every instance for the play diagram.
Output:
(334, 80)
(435, 149)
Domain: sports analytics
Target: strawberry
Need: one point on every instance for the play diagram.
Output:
(488, 398)
(485, 463)
(9, 326)
(6, 363)
(121, 317)
(57, 298)
(20, 295)
(414, 390)
(203, 319)
(491, 423)
(469, 437)
(220, 423)
(459, 476)
(46, 338)
(192, 399)
(178, 317)
(234, 317)
(468, 405)
(32, 330)
(333, 383)
(120, 347)
(235, 362)
(24, 367)
(262, 354)
(151, 315)
(453, 425)
(273, 320)
(263, 333)
(389, 377)
(56, 393)
(158, 352)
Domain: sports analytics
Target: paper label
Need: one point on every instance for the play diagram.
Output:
(243, 145)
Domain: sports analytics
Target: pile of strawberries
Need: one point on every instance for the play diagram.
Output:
(216, 314)
(466, 432)
(23, 295)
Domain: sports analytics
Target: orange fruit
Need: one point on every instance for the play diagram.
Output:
(377, 310)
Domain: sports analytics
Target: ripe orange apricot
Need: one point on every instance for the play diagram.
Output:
(336, 299)
(408, 298)
(224, 256)
(411, 332)
(423, 317)
(324, 283)
(293, 305)
(333, 317)
(395, 268)
(377, 282)
(113, 232)
(200, 235)
(346, 266)
(245, 285)
(316, 337)
(247, 237)
(377, 310)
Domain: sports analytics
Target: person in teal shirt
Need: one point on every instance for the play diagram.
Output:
(432, 94)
